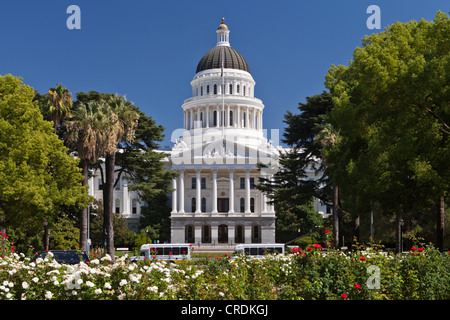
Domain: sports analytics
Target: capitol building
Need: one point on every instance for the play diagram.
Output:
(215, 199)
(216, 153)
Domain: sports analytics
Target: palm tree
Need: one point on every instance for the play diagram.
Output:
(121, 122)
(327, 137)
(60, 103)
(83, 133)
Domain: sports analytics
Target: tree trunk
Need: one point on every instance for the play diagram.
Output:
(398, 234)
(108, 192)
(335, 218)
(440, 224)
(84, 212)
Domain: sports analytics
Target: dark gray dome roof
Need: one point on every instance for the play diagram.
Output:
(213, 59)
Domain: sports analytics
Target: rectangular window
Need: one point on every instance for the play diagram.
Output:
(203, 183)
(194, 183)
(252, 183)
(203, 204)
(134, 206)
(242, 183)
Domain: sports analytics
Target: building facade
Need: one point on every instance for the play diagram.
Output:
(125, 202)
(216, 154)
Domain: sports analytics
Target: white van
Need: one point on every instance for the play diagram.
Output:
(166, 251)
(258, 250)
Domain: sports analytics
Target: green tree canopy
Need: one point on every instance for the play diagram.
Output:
(38, 178)
(392, 111)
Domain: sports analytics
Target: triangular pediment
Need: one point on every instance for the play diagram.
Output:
(225, 148)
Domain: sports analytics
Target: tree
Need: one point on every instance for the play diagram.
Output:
(120, 124)
(392, 112)
(38, 178)
(290, 188)
(60, 103)
(83, 135)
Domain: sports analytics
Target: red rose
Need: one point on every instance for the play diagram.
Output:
(420, 249)
(357, 286)
(413, 249)
(327, 231)
(344, 296)
(362, 259)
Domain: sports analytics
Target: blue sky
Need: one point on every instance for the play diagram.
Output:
(149, 50)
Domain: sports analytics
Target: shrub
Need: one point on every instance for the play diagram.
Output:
(366, 273)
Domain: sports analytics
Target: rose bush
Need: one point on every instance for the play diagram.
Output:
(309, 273)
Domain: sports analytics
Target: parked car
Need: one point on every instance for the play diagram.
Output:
(65, 256)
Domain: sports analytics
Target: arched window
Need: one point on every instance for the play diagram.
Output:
(215, 118)
(256, 234)
(231, 117)
(245, 120)
(222, 233)
(215, 89)
(194, 205)
(242, 205)
(239, 234)
(237, 88)
(207, 89)
(231, 89)
(201, 90)
(206, 234)
(243, 89)
(189, 233)
(252, 204)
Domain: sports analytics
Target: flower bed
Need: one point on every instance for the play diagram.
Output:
(311, 273)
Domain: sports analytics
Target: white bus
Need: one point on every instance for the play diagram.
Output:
(258, 250)
(167, 251)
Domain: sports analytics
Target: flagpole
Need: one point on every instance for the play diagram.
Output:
(223, 96)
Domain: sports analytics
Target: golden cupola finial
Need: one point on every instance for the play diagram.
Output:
(223, 25)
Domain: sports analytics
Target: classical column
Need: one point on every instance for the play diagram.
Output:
(198, 192)
(181, 193)
(197, 125)
(238, 117)
(231, 201)
(218, 116)
(126, 200)
(247, 191)
(191, 119)
(214, 192)
(174, 195)
(247, 120)
(207, 116)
